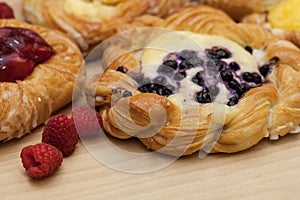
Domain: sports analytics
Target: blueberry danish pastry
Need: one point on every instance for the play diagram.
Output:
(211, 82)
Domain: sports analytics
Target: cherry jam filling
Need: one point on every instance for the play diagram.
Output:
(207, 72)
(20, 51)
(5, 11)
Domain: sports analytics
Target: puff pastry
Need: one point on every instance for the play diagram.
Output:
(169, 109)
(282, 21)
(25, 104)
(238, 9)
(91, 21)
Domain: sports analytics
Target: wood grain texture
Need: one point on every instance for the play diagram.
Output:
(270, 170)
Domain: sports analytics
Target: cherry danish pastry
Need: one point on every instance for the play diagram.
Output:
(38, 68)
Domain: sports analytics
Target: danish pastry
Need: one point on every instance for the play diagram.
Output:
(213, 86)
(38, 68)
(238, 9)
(282, 21)
(91, 21)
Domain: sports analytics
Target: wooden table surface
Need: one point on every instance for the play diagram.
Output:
(270, 170)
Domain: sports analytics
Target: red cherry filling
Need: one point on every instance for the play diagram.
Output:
(20, 51)
(5, 11)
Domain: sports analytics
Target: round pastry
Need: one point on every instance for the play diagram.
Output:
(238, 9)
(38, 68)
(91, 21)
(282, 21)
(215, 86)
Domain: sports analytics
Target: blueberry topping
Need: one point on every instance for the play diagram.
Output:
(171, 63)
(242, 90)
(122, 69)
(203, 97)
(219, 53)
(213, 90)
(249, 49)
(234, 66)
(196, 62)
(216, 64)
(127, 94)
(233, 84)
(264, 70)
(226, 75)
(247, 76)
(168, 66)
(198, 79)
(185, 65)
(187, 55)
(171, 72)
(160, 80)
(179, 76)
(233, 101)
(256, 78)
(156, 89)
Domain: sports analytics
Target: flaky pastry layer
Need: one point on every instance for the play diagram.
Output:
(90, 22)
(26, 104)
(271, 110)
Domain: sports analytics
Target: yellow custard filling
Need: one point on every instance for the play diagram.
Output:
(93, 9)
(286, 15)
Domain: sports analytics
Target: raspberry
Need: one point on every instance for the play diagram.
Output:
(6, 11)
(87, 121)
(60, 132)
(41, 160)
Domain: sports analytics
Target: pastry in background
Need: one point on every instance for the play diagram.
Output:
(282, 20)
(237, 9)
(91, 21)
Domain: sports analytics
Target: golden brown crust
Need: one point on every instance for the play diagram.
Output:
(271, 110)
(28, 103)
(90, 22)
(238, 9)
(262, 20)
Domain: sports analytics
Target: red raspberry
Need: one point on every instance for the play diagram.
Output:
(60, 132)
(6, 11)
(87, 121)
(41, 160)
